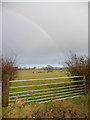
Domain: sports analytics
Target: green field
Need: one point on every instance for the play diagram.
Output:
(38, 74)
(28, 74)
(29, 110)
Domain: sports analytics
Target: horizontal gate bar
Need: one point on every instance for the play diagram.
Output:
(46, 79)
(57, 99)
(46, 95)
(47, 84)
(62, 98)
(47, 89)
(52, 97)
(46, 92)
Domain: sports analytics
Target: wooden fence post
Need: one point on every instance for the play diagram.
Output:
(5, 91)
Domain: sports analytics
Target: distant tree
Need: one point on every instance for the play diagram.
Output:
(34, 68)
(49, 68)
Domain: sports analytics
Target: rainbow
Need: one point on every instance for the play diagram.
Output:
(37, 26)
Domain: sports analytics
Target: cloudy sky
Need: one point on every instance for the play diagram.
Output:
(44, 33)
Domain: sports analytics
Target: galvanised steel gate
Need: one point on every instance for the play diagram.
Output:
(47, 89)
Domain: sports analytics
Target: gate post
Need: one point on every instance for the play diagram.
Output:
(84, 78)
(5, 91)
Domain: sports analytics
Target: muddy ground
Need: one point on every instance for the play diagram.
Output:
(58, 113)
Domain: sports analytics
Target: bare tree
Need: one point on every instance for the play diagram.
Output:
(9, 72)
(77, 65)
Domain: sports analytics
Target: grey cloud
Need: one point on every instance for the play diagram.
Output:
(40, 32)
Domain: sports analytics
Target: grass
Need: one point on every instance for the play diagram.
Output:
(20, 110)
(32, 74)
(28, 74)
(38, 74)
(27, 110)
(24, 74)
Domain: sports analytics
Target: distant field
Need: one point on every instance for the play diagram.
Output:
(37, 74)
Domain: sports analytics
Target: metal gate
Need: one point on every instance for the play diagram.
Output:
(47, 89)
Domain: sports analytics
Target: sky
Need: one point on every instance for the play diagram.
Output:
(44, 33)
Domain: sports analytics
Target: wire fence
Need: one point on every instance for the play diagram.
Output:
(47, 89)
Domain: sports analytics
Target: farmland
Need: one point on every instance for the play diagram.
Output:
(33, 109)
(38, 84)
(38, 74)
